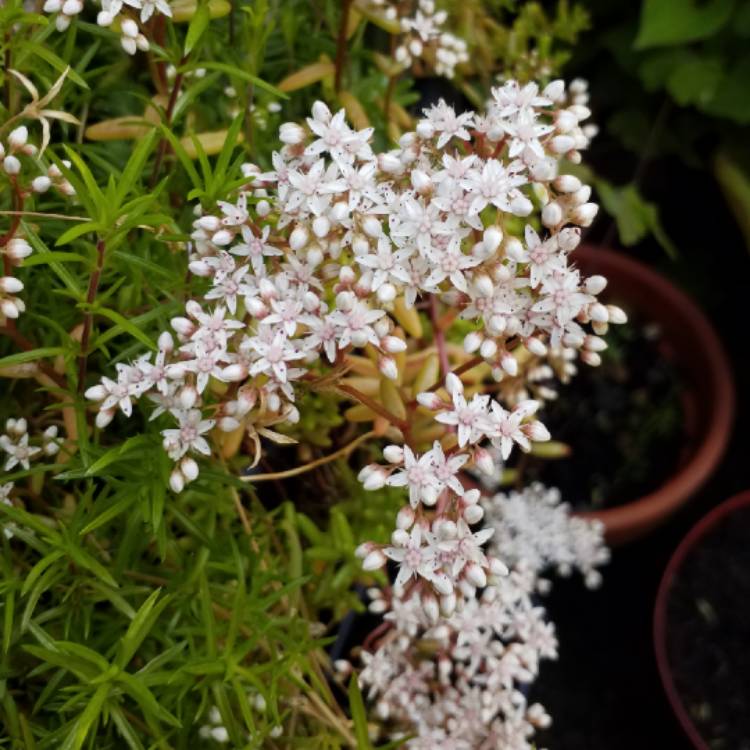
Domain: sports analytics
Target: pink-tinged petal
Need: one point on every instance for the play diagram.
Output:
(201, 445)
(395, 553)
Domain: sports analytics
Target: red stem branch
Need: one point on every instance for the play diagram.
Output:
(89, 318)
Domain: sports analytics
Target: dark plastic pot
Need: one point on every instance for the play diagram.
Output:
(693, 538)
(690, 342)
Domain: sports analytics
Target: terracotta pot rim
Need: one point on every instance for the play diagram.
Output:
(628, 520)
(701, 529)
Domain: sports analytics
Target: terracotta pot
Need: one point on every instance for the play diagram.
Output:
(688, 340)
(694, 536)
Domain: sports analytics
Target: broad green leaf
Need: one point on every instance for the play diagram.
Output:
(112, 511)
(695, 81)
(124, 325)
(56, 62)
(198, 24)
(139, 628)
(359, 715)
(31, 356)
(231, 70)
(90, 715)
(665, 22)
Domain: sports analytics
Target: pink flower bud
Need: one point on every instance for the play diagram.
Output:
(18, 249)
(448, 604)
(453, 384)
(405, 518)
(176, 481)
(10, 285)
(484, 461)
(472, 342)
(234, 373)
(374, 560)
(388, 368)
(399, 538)
(189, 469)
(96, 393)
(431, 607)
(475, 575)
(473, 514)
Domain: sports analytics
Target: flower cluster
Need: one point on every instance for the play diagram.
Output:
(15, 443)
(216, 731)
(534, 527)
(463, 682)
(129, 16)
(423, 35)
(324, 255)
(26, 176)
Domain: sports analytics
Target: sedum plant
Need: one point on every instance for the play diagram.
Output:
(222, 302)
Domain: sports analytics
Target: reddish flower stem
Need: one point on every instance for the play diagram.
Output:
(89, 317)
(341, 43)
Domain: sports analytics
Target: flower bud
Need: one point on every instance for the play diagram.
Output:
(473, 514)
(298, 238)
(498, 568)
(431, 608)
(291, 133)
(492, 238)
(552, 214)
(475, 575)
(453, 384)
(488, 349)
(375, 479)
(598, 313)
(321, 226)
(616, 315)
(189, 469)
(130, 29)
(374, 560)
(509, 363)
(321, 112)
(388, 368)
(561, 144)
(520, 205)
(386, 293)
(9, 309)
(566, 183)
(10, 285)
(536, 346)
(399, 538)
(421, 181)
(176, 481)
(472, 342)
(484, 461)
(405, 518)
(448, 604)
(103, 418)
(18, 249)
(18, 137)
(584, 215)
(11, 165)
(372, 227)
(96, 393)
(591, 358)
(425, 129)
(222, 237)
(595, 285)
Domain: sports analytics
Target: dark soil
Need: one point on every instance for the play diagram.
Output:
(708, 631)
(622, 421)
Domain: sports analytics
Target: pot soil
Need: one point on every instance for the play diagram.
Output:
(623, 422)
(702, 628)
(689, 345)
